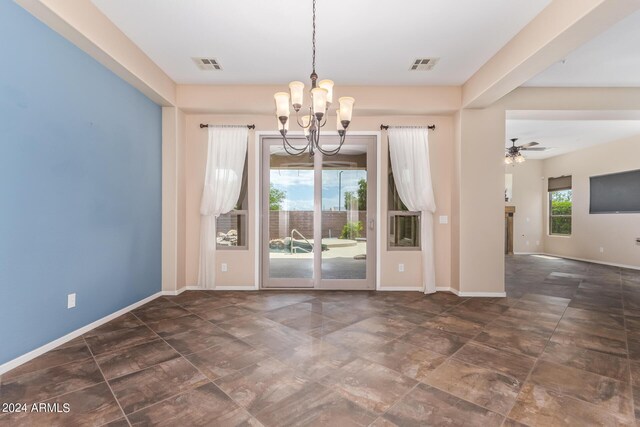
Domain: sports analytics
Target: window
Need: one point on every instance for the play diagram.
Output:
(560, 205)
(403, 225)
(232, 227)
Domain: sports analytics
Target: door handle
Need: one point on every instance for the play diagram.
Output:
(371, 224)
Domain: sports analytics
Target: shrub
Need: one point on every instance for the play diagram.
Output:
(352, 230)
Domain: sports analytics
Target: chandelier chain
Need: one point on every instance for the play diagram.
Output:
(314, 37)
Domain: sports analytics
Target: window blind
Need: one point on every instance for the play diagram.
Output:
(560, 183)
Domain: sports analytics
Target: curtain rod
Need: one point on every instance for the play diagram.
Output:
(386, 127)
(226, 126)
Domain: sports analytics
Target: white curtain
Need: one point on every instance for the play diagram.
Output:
(223, 179)
(409, 151)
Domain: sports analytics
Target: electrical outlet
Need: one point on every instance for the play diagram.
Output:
(444, 219)
(401, 268)
(601, 250)
(224, 267)
(71, 300)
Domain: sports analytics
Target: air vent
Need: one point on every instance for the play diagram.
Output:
(423, 64)
(208, 64)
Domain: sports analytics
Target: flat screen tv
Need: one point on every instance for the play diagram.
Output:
(615, 193)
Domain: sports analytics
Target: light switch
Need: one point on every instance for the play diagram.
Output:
(71, 300)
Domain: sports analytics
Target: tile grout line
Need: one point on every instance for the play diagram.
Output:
(193, 388)
(400, 399)
(541, 353)
(599, 408)
(107, 382)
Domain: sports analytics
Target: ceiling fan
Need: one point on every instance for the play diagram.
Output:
(513, 153)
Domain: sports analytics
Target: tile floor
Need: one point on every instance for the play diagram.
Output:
(562, 349)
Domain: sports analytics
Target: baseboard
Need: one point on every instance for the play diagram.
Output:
(482, 294)
(399, 288)
(528, 253)
(593, 261)
(7, 366)
(174, 293)
(446, 289)
(221, 288)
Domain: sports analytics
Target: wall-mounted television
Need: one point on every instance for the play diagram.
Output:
(615, 193)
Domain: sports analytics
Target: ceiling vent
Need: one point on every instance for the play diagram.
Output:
(208, 64)
(423, 64)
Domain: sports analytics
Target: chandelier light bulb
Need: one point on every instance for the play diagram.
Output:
(297, 94)
(282, 104)
(306, 121)
(346, 108)
(328, 85)
(319, 98)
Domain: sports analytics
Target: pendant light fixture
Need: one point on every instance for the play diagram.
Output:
(316, 117)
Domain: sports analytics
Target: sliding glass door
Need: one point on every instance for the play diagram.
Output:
(318, 216)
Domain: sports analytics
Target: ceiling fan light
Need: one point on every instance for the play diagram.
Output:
(520, 158)
(508, 160)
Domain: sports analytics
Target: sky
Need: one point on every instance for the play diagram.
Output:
(298, 185)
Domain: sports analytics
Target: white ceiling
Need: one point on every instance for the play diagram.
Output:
(359, 42)
(610, 59)
(564, 136)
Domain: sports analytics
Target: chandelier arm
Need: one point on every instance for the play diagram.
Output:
(316, 139)
(334, 151)
(296, 151)
(292, 153)
(326, 116)
(300, 124)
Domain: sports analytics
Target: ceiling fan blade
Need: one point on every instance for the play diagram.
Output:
(535, 149)
(529, 144)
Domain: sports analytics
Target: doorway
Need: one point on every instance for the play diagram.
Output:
(319, 215)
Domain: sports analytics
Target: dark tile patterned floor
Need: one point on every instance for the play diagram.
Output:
(562, 349)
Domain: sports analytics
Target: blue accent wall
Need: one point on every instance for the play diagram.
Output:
(80, 187)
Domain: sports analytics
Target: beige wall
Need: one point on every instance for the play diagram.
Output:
(181, 209)
(615, 233)
(481, 235)
(528, 196)
(242, 264)
(173, 199)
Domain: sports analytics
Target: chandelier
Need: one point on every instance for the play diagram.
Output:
(316, 118)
